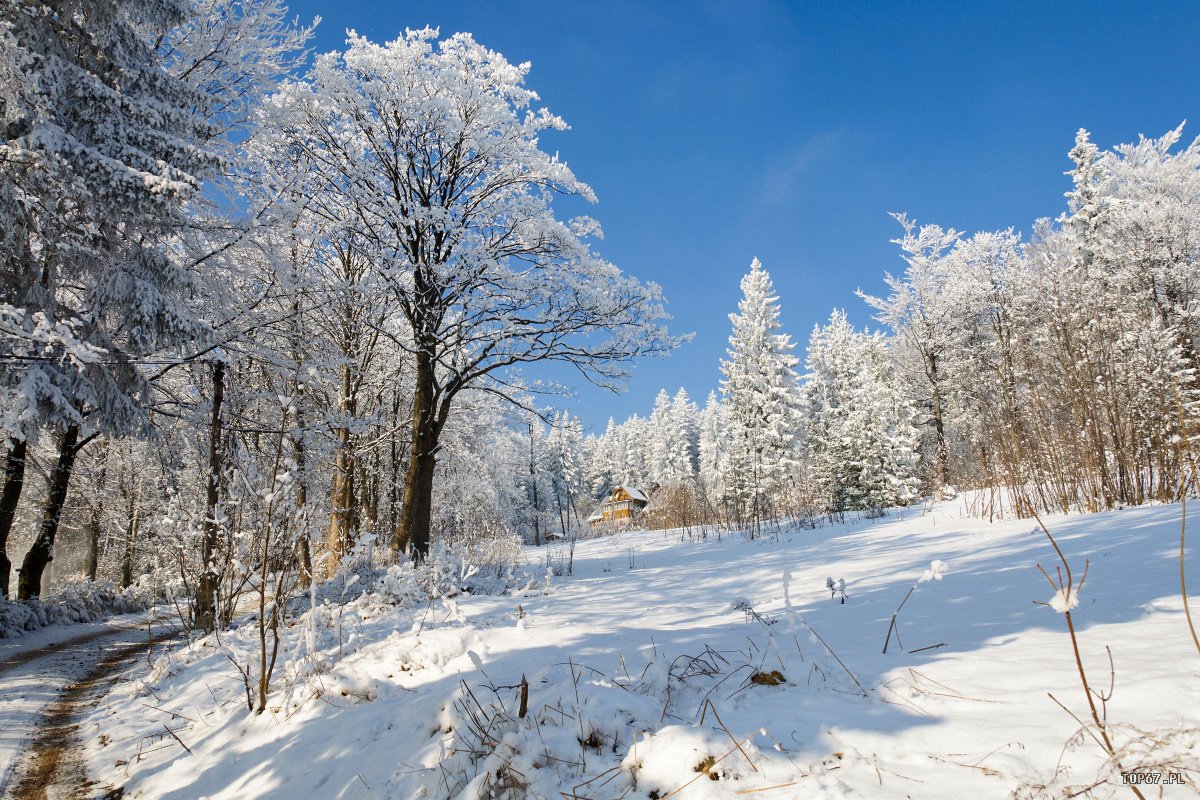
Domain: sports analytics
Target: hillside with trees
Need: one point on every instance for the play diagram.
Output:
(282, 345)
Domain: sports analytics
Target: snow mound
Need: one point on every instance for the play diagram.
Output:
(80, 600)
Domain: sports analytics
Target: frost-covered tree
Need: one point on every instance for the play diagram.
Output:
(686, 451)
(713, 446)
(672, 439)
(604, 461)
(860, 432)
(434, 147)
(921, 314)
(566, 465)
(101, 149)
(760, 391)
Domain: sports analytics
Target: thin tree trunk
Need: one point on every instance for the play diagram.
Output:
(14, 480)
(394, 465)
(206, 587)
(303, 548)
(416, 514)
(303, 552)
(533, 480)
(132, 521)
(40, 554)
(942, 453)
(91, 563)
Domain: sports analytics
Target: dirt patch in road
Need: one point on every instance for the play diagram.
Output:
(54, 765)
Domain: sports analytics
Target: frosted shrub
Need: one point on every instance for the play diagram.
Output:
(79, 600)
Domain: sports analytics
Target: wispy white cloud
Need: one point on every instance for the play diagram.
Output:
(784, 176)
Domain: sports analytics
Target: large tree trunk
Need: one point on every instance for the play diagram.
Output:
(40, 554)
(206, 587)
(416, 515)
(342, 506)
(14, 480)
(338, 540)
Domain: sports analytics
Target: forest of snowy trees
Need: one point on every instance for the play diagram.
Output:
(1060, 371)
(253, 316)
(260, 316)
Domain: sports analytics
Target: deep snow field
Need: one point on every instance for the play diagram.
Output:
(640, 665)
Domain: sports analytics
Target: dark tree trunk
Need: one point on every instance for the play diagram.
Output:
(533, 480)
(416, 515)
(942, 453)
(92, 561)
(40, 554)
(303, 552)
(14, 480)
(206, 587)
(394, 466)
(131, 532)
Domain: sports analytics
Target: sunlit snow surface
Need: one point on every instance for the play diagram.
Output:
(654, 632)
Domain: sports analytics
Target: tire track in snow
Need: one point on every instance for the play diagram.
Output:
(51, 762)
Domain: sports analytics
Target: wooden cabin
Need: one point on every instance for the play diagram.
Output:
(621, 506)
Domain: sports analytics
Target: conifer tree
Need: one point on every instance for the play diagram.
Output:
(713, 448)
(100, 150)
(760, 389)
(860, 432)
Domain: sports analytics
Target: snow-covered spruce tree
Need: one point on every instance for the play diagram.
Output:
(661, 436)
(761, 393)
(99, 155)
(672, 439)
(481, 497)
(605, 461)
(860, 433)
(435, 145)
(713, 449)
(638, 441)
(564, 449)
(686, 451)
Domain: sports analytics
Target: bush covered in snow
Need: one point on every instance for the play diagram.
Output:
(79, 600)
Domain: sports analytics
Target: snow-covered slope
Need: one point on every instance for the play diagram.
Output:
(670, 665)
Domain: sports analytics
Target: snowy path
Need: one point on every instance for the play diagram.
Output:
(45, 679)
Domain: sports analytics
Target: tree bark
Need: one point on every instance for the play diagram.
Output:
(416, 514)
(342, 510)
(40, 554)
(533, 480)
(133, 511)
(92, 561)
(942, 453)
(303, 551)
(206, 587)
(14, 480)
(394, 465)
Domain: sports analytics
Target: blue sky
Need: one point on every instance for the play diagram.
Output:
(715, 132)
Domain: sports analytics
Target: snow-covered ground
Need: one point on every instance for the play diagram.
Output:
(670, 666)
(35, 667)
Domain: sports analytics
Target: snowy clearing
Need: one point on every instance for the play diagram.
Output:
(669, 667)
